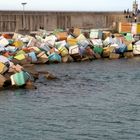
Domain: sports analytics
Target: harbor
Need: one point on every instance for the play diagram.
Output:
(69, 75)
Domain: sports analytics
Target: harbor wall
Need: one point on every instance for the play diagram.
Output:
(11, 21)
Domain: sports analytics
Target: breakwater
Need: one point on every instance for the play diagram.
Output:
(21, 51)
(11, 21)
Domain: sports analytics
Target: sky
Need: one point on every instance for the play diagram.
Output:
(67, 5)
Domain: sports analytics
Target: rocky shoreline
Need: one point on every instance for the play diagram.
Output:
(19, 53)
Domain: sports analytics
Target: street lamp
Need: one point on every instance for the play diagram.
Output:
(23, 16)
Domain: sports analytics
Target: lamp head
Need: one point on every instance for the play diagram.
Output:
(24, 3)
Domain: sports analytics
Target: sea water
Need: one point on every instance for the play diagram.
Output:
(92, 100)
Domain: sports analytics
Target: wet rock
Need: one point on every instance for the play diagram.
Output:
(50, 76)
(31, 70)
(47, 74)
(27, 60)
(5, 82)
(97, 56)
(29, 85)
(106, 54)
(114, 56)
(3, 68)
(2, 80)
(128, 55)
(85, 58)
(67, 58)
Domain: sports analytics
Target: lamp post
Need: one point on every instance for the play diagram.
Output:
(23, 14)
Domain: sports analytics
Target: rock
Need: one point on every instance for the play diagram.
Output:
(29, 85)
(97, 56)
(42, 58)
(85, 58)
(50, 76)
(67, 58)
(2, 80)
(31, 70)
(114, 56)
(27, 60)
(105, 54)
(15, 68)
(76, 57)
(128, 55)
(3, 68)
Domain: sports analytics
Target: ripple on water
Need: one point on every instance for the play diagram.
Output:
(90, 100)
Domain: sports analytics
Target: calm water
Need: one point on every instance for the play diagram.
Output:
(98, 100)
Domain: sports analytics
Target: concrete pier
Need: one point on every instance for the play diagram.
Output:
(11, 21)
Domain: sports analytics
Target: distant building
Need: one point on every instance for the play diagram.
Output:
(135, 7)
(132, 16)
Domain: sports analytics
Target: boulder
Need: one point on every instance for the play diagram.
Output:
(128, 55)
(29, 85)
(97, 56)
(50, 76)
(2, 80)
(67, 58)
(114, 56)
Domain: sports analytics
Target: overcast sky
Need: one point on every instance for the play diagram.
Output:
(67, 5)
